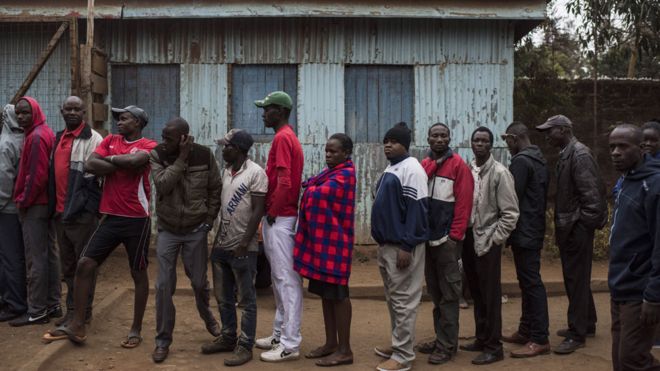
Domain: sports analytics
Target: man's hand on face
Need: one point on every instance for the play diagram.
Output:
(403, 259)
(185, 146)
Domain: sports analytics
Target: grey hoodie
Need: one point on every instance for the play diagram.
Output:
(11, 144)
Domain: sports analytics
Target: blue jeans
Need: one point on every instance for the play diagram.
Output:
(232, 278)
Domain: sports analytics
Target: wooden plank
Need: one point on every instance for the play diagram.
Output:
(75, 60)
(43, 58)
(99, 84)
(99, 64)
(99, 112)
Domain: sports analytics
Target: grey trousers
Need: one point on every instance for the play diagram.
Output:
(194, 253)
(72, 237)
(403, 292)
(42, 260)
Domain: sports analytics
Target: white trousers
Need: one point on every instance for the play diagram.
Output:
(287, 283)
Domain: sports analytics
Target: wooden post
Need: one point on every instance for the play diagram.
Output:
(86, 78)
(43, 58)
(75, 52)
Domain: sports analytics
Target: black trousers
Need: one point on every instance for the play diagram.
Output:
(484, 276)
(576, 252)
(534, 317)
(631, 341)
(13, 286)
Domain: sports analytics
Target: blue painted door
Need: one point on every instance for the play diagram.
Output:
(252, 82)
(152, 87)
(377, 97)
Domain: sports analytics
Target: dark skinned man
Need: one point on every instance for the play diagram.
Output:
(31, 198)
(494, 216)
(450, 203)
(531, 177)
(399, 224)
(580, 208)
(234, 256)
(123, 159)
(188, 186)
(13, 294)
(634, 271)
(73, 198)
(284, 171)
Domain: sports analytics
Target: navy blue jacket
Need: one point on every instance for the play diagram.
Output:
(635, 239)
(399, 215)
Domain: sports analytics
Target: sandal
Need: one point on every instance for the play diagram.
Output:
(319, 353)
(54, 335)
(132, 340)
(76, 339)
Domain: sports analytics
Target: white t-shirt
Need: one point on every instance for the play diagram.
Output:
(236, 208)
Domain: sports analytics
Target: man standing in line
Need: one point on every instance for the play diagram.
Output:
(399, 224)
(13, 295)
(284, 171)
(234, 256)
(31, 197)
(494, 216)
(123, 159)
(531, 177)
(450, 203)
(580, 208)
(188, 187)
(73, 195)
(634, 273)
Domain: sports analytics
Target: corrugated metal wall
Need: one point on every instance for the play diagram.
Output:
(463, 76)
(21, 44)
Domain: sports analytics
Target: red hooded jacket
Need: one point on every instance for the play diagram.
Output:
(32, 181)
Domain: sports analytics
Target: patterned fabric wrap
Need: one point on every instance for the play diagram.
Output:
(324, 239)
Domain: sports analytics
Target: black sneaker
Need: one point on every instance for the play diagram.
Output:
(55, 312)
(7, 315)
(568, 346)
(219, 344)
(30, 319)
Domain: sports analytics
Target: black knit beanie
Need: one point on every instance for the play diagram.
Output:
(400, 133)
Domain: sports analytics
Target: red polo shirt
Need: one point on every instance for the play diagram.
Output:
(284, 170)
(61, 159)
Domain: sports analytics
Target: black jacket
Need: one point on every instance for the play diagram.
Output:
(634, 272)
(581, 195)
(531, 176)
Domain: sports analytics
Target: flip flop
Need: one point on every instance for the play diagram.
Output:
(71, 336)
(318, 353)
(54, 335)
(332, 363)
(128, 344)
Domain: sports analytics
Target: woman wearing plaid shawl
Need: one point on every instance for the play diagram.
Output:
(324, 247)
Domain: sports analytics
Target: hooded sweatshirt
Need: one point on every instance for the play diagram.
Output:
(634, 273)
(531, 176)
(11, 143)
(32, 181)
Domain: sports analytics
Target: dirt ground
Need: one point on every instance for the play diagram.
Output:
(370, 328)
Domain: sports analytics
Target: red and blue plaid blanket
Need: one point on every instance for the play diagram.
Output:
(324, 239)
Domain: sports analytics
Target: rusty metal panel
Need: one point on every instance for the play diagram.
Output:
(22, 44)
(204, 100)
(463, 96)
(320, 102)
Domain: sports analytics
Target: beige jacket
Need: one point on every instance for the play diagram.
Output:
(496, 206)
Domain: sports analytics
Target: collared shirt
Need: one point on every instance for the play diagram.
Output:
(477, 190)
(61, 159)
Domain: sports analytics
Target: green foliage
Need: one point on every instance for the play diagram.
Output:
(601, 240)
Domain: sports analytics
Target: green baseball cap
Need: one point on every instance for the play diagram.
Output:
(278, 98)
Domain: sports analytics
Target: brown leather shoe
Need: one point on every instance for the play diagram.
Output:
(515, 338)
(531, 349)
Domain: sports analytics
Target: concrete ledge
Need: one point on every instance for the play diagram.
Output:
(41, 359)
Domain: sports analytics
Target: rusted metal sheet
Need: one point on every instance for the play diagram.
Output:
(351, 41)
(204, 100)
(320, 102)
(463, 96)
(21, 46)
(472, 9)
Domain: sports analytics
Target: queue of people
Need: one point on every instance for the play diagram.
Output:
(68, 200)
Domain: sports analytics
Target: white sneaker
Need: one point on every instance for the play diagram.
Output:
(279, 354)
(267, 343)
